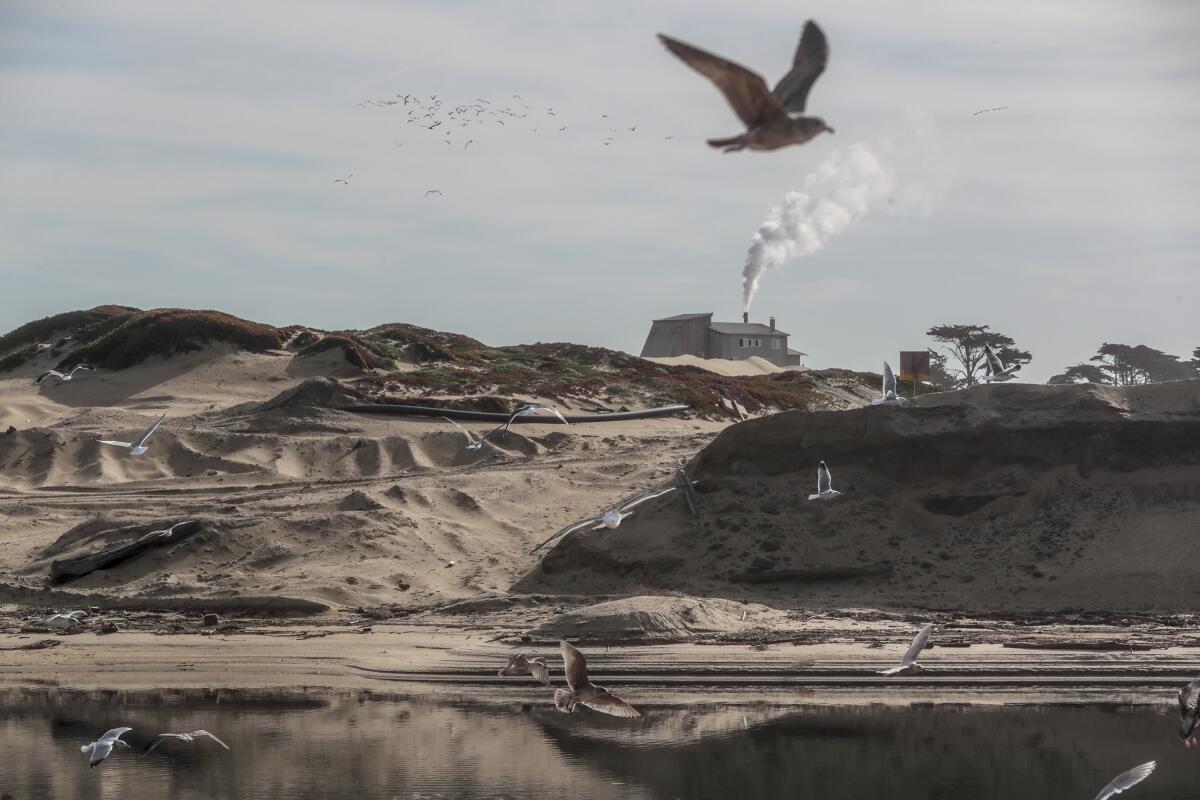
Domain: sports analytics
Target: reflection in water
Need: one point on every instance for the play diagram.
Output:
(349, 745)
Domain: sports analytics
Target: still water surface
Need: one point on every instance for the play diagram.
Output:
(318, 746)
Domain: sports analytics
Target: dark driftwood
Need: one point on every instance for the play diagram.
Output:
(1103, 645)
(813, 574)
(68, 568)
(689, 491)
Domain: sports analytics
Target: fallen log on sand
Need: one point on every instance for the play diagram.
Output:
(68, 568)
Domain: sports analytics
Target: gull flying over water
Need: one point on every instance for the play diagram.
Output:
(825, 490)
(137, 446)
(520, 665)
(909, 665)
(583, 692)
(1126, 780)
(345, 180)
(64, 377)
(1189, 712)
(773, 119)
(103, 747)
(609, 519)
(183, 737)
(438, 192)
(890, 398)
(996, 371)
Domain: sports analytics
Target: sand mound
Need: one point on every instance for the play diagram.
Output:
(755, 365)
(359, 501)
(999, 497)
(647, 617)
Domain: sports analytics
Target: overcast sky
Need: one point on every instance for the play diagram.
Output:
(163, 154)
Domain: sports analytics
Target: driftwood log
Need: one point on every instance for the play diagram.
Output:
(66, 569)
(813, 574)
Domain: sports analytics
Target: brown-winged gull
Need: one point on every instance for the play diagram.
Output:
(773, 119)
(583, 691)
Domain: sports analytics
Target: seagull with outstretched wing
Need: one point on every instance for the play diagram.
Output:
(996, 371)
(101, 748)
(825, 490)
(63, 377)
(773, 119)
(1127, 780)
(183, 737)
(138, 445)
(583, 692)
(890, 397)
(909, 665)
(611, 518)
(521, 665)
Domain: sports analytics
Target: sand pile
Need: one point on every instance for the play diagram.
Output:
(995, 498)
(650, 618)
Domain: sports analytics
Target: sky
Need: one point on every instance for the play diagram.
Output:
(185, 155)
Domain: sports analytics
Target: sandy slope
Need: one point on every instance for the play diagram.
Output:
(755, 365)
(297, 499)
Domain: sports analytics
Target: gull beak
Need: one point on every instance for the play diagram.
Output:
(829, 129)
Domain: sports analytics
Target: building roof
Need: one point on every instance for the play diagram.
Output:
(682, 317)
(792, 352)
(745, 328)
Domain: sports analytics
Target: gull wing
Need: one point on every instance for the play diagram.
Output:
(162, 737)
(994, 365)
(1189, 696)
(114, 734)
(1127, 779)
(101, 750)
(812, 54)
(210, 736)
(141, 440)
(824, 479)
(637, 500)
(115, 443)
(889, 380)
(918, 644)
(745, 90)
(574, 526)
(45, 375)
(470, 439)
(574, 666)
(540, 672)
(607, 703)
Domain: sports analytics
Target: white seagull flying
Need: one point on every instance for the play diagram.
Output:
(890, 398)
(103, 747)
(609, 519)
(137, 446)
(472, 442)
(996, 371)
(64, 377)
(536, 410)
(1127, 780)
(825, 490)
(183, 737)
(909, 665)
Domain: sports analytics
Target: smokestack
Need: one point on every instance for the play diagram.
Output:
(746, 316)
(772, 323)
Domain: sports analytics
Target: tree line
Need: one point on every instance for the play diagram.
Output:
(959, 360)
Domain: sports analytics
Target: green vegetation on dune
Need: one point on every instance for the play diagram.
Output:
(18, 346)
(168, 331)
(561, 370)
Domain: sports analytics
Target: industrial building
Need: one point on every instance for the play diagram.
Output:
(697, 335)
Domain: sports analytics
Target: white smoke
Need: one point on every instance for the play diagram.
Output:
(843, 189)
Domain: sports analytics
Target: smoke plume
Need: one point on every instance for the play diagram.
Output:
(843, 189)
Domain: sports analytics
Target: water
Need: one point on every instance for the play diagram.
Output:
(313, 746)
